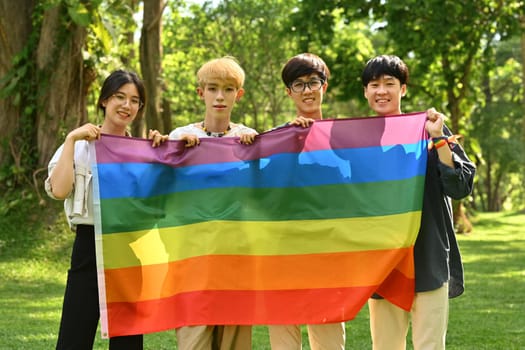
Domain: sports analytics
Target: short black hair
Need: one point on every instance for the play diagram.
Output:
(304, 64)
(385, 65)
(114, 81)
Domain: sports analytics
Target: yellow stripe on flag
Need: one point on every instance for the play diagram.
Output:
(160, 246)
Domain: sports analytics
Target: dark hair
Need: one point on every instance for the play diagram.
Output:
(114, 81)
(304, 64)
(385, 65)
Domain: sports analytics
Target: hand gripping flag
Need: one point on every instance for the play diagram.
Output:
(301, 227)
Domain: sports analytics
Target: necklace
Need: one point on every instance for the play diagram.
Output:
(215, 134)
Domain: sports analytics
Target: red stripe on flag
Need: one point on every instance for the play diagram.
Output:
(396, 288)
(242, 307)
(321, 305)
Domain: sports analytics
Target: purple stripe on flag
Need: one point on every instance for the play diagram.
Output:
(381, 131)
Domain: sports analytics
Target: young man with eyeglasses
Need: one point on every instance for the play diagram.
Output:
(306, 79)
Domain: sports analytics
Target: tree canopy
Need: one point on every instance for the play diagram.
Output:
(465, 58)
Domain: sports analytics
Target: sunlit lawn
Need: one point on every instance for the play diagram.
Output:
(490, 315)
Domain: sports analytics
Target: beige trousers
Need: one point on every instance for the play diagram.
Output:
(214, 338)
(389, 323)
(330, 336)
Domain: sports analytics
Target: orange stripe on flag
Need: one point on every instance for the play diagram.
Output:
(317, 306)
(234, 272)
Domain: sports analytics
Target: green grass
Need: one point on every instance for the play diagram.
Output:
(35, 245)
(491, 313)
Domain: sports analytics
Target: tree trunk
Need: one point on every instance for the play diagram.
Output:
(488, 182)
(522, 20)
(462, 223)
(150, 62)
(166, 115)
(15, 29)
(62, 80)
(128, 58)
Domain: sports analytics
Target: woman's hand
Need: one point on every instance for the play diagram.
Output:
(88, 132)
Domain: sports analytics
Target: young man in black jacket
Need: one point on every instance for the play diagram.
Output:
(438, 267)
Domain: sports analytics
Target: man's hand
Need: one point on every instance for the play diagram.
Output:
(434, 123)
(157, 138)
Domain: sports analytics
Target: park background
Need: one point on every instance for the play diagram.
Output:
(466, 59)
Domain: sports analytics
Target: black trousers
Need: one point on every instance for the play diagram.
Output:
(80, 310)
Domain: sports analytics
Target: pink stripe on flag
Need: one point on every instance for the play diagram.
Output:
(329, 134)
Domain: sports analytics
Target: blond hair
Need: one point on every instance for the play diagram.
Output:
(225, 68)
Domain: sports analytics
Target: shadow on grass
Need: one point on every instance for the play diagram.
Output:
(490, 221)
(35, 247)
(488, 315)
(30, 316)
(35, 231)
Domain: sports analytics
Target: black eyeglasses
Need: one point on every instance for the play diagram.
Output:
(122, 99)
(300, 86)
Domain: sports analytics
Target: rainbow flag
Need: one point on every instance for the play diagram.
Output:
(301, 227)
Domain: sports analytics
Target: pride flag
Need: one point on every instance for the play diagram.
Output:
(301, 227)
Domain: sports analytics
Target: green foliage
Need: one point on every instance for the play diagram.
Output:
(346, 57)
(497, 127)
(242, 29)
(454, 51)
(233, 28)
(78, 12)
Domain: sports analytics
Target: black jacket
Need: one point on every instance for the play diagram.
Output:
(436, 253)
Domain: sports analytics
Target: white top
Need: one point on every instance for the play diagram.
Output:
(196, 129)
(78, 206)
